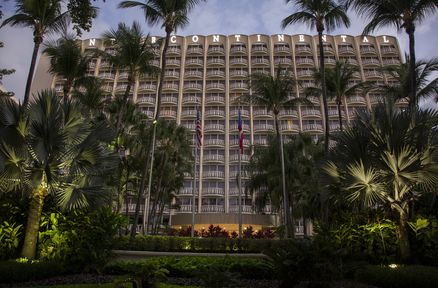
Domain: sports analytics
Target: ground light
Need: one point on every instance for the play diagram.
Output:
(393, 266)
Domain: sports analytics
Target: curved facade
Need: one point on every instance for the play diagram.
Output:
(210, 72)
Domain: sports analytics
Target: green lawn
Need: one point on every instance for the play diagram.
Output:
(111, 285)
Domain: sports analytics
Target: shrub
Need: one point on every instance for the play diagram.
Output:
(12, 271)
(9, 239)
(400, 277)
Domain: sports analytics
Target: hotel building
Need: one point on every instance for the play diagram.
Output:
(210, 72)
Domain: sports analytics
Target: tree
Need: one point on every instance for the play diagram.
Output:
(274, 93)
(51, 149)
(426, 87)
(338, 84)
(402, 14)
(133, 53)
(68, 62)
(91, 96)
(388, 157)
(43, 16)
(322, 15)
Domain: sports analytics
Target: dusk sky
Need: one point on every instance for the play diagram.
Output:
(212, 17)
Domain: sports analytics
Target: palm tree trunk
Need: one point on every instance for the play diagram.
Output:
(289, 222)
(66, 89)
(33, 223)
(163, 67)
(324, 90)
(413, 101)
(37, 40)
(339, 114)
(122, 109)
(405, 247)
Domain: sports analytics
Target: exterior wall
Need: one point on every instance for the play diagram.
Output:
(209, 73)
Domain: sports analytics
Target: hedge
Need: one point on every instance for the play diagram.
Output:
(181, 244)
(12, 271)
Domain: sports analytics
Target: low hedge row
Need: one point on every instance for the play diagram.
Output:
(180, 244)
(13, 272)
(400, 277)
(187, 267)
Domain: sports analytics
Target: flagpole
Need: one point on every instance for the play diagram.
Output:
(194, 189)
(240, 174)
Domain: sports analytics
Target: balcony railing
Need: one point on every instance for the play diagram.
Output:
(174, 50)
(263, 127)
(312, 127)
(211, 86)
(195, 61)
(146, 100)
(193, 73)
(370, 62)
(262, 61)
(303, 49)
(216, 61)
(214, 127)
(170, 86)
(171, 74)
(188, 113)
(168, 113)
(243, 113)
(214, 157)
(195, 50)
(185, 208)
(215, 112)
(212, 209)
(213, 191)
(193, 86)
(287, 127)
(191, 99)
(311, 112)
(214, 142)
(345, 50)
(281, 49)
(285, 113)
(286, 61)
(391, 62)
(169, 99)
(245, 209)
(243, 157)
(216, 49)
(356, 100)
(238, 73)
(107, 76)
(215, 99)
(147, 87)
(239, 85)
(373, 74)
(236, 142)
(216, 73)
(214, 174)
(302, 61)
(123, 75)
(367, 50)
(259, 49)
(173, 62)
(234, 127)
(238, 61)
(261, 113)
(305, 73)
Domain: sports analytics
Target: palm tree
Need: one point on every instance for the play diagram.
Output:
(51, 149)
(43, 16)
(132, 52)
(322, 15)
(91, 96)
(388, 158)
(426, 87)
(403, 14)
(67, 61)
(274, 94)
(172, 14)
(338, 84)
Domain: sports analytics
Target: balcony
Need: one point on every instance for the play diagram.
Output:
(123, 75)
(239, 73)
(238, 50)
(238, 61)
(303, 49)
(191, 99)
(215, 175)
(245, 209)
(189, 126)
(367, 50)
(335, 127)
(213, 158)
(259, 49)
(345, 50)
(194, 62)
(330, 61)
(388, 50)
(334, 113)
(289, 128)
(243, 113)
(263, 127)
(131, 208)
(243, 157)
(216, 86)
(351, 61)
(169, 100)
(156, 62)
(372, 74)
(312, 128)
(283, 61)
(108, 89)
(391, 62)
(103, 64)
(213, 191)
(239, 86)
(214, 142)
(304, 61)
(216, 73)
(193, 86)
(305, 73)
(212, 209)
(216, 50)
(195, 51)
(121, 88)
(193, 73)
(216, 61)
(146, 100)
(147, 87)
(171, 74)
(185, 208)
(234, 127)
(261, 141)
(369, 62)
(168, 114)
(236, 142)
(148, 113)
(313, 99)
(327, 49)
(214, 128)
(186, 191)
(170, 86)
(216, 99)
(106, 76)
(261, 113)
(260, 61)
(215, 113)
(189, 113)
(311, 113)
(375, 98)
(173, 62)
(281, 49)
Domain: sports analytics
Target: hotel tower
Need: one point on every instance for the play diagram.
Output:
(209, 73)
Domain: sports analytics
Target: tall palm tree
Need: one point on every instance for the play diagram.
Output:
(91, 96)
(403, 14)
(338, 84)
(43, 16)
(273, 92)
(68, 62)
(51, 148)
(133, 52)
(324, 15)
(425, 86)
(172, 14)
(388, 158)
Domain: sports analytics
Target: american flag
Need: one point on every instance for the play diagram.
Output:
(241, 135)
(198, 129)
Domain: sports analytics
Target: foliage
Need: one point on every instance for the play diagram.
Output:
(9, 239)
(248, 268)
(425, 242)
(400, 277)
(14, 272)
(147, 275)
(82, 13)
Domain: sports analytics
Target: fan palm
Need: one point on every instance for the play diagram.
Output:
(51, 149)
(426, 87)
(43, 16)
(274, 93)
(338, 83)
(324, 15)
(383, 158)
(403, 14)
(133, 52)
(67, 61)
